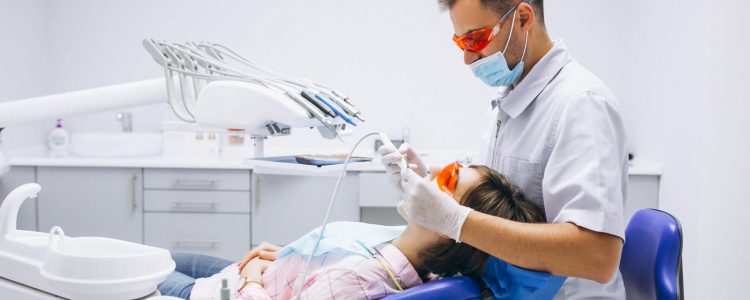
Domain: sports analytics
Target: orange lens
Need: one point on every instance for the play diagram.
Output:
(448, 176)
(474, 41)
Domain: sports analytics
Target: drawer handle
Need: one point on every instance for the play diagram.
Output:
(193, 182)
(211, 204)
(198, 243)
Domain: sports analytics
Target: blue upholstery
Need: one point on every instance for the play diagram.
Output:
(651, 263)
(453, 288)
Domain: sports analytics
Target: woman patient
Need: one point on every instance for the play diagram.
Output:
(356, 270)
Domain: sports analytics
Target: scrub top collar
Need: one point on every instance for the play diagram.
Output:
(514, 102)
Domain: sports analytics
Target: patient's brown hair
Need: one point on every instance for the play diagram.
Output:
(492, 194)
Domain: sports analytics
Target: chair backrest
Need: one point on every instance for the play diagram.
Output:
(651, 263)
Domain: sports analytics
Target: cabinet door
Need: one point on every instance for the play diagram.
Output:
(103, 202)
(222, 235)
(286, 207)
(19, 176)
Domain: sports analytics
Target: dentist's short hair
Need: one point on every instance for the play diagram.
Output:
(500, 6)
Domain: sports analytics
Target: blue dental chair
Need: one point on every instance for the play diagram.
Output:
(651, 263)
(453, 288)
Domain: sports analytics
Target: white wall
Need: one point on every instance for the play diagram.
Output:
(725, 153)
(23, 57)
(677, 68)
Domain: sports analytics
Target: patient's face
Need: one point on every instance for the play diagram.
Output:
(466, 178)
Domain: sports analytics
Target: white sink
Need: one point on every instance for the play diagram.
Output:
(122, 144)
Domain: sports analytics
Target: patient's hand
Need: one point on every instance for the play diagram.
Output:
(264, 251)
(255, 268)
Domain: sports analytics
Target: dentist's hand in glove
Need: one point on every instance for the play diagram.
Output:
(425, 204)
(390, 159)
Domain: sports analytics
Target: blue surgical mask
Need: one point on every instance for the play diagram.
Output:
(493, 70)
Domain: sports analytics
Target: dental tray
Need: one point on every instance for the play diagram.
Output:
(315, 160)
(76, 267)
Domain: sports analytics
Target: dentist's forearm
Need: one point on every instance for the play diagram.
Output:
(562, 249)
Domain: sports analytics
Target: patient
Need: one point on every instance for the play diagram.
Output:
(410, 257)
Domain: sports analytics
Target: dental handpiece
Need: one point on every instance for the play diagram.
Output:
(387, 141)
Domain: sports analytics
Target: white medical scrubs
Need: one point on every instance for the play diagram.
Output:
(560, 138)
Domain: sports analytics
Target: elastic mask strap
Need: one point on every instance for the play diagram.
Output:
(512, 24)
(525, 43)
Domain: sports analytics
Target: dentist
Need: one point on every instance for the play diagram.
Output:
(556, 133)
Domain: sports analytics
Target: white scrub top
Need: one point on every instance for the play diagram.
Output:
(560, 138)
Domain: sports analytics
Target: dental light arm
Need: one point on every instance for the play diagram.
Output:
(208, 85)
(74, 103)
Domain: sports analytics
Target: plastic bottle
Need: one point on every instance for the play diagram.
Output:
(58, 140)
(224, 290)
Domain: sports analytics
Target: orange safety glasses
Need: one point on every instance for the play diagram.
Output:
(476, 40)
(447, 177)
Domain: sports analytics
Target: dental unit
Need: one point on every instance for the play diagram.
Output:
(208, 87)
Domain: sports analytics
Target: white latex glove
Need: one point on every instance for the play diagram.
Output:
(425, 204)
(391, 156)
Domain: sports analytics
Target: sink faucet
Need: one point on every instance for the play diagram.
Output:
(126, 119)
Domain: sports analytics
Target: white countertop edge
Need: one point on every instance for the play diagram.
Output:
(38, 157)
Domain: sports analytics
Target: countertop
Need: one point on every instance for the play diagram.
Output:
(40, 157)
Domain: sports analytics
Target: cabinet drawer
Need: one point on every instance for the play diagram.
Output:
(197, 201)
(376, 191)
(222, 235)
(196, 179)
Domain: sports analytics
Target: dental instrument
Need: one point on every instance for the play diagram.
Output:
(208, 90)
(387, 141)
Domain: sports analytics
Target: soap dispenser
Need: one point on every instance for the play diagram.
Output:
(58, 140)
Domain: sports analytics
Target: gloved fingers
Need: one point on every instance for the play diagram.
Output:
(434, 170)
(401, 208)
(393, 169)
(413, 157)
(391, 158)
(386, 149)
(408, 179)
(405, 149)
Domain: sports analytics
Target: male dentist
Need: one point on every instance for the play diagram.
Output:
(557, 134)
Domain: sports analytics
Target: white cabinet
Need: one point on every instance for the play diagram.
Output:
(221, 235)
(286, 207)
(198, 211)
(19, 176)
(643, 192)
(103, 202)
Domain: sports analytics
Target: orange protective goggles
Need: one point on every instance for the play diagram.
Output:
(476, 40)
(448, 177)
